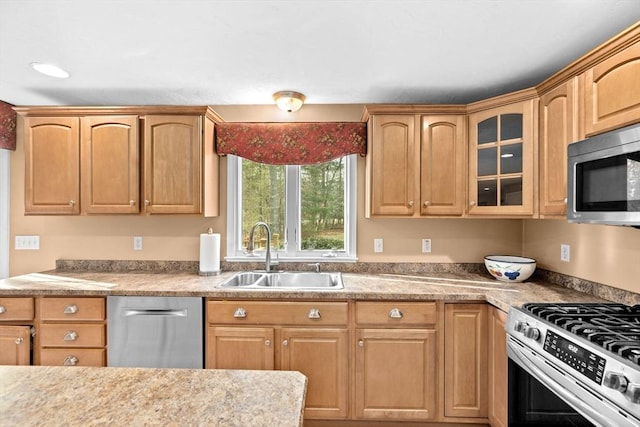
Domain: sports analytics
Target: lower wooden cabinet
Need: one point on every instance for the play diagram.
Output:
(308, 337)
(15, 345)
(465, 363)
(396, 361)
(71, 331)
(498, 369)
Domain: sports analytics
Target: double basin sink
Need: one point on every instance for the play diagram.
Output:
(305, 280)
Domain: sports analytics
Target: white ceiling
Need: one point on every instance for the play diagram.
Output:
(208, 52)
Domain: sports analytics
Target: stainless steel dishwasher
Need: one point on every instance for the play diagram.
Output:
(155, 332)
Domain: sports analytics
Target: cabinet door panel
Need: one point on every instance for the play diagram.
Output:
(321, 355)
(16, 309)
(442, 167)
(612, 92)
(465, 362)
(558, 123)
(110, 178)
(15, 345)
(393, 165)
(172, 158)
(395, 374)
(52, 165)
(239, 348)
(498, 361)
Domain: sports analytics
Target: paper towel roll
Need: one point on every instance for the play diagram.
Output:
(209, 253)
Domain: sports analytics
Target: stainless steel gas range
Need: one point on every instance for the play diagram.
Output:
(574, 365)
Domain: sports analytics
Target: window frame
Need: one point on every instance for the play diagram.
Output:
(5, 176)
(292, 215)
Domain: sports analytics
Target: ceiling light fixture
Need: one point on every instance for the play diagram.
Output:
(50, 70)
(288, 100)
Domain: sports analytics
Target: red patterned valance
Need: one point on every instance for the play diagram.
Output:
(7, 126)
(291, 143)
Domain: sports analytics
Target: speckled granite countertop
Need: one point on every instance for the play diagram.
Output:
(456, 286)
(63, 396)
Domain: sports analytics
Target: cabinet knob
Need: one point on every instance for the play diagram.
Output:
(240, 313)
(285, 343)
(147, 203)
(19, 341)
(2, 309)
(70, 361)
(410, 203)
(71, 336)
(472, 203)
(565, 200)
(361, 343)
(267, 343)
(72, 202)
(426, 203)
(132, 203)
(70, 309)
(395, 313)
(314, 313)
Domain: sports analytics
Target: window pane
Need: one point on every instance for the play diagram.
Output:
(488, 130)
(488, 161)
(511, 158)
(488, 193)
(322, 210)
(511, 192)
(263, 199)
(510, 126)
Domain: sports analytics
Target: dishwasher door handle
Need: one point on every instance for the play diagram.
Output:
(156, 312)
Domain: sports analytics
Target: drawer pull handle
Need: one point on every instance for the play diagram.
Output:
(71, 336)
(361, 343)
(240, 313)
(70, 361)
(285, 343)
(314, 313)
(70, 309)
(395, 313)
(267, 342)
(2, 309)
(19, 341)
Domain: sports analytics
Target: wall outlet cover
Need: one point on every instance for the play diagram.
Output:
(378, 245)
(426, 246)
(137, 243)
(565, 253)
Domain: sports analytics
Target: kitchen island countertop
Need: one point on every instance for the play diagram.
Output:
(358, 286)
(57, 396)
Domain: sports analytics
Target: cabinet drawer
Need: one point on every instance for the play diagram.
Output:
(74, 309)
(73, 357)
(72, 335)
(396, 313)
(16, 309)
(280, 312)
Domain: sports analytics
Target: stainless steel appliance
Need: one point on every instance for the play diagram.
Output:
(604, 178)
(585, 357)
(155, 332)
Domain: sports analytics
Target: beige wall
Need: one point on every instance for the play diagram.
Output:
(600, 253)
(176, 237)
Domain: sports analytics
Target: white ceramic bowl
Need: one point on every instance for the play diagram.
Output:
(510, 268)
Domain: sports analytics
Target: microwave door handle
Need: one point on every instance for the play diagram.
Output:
(156, 312)
(569, 397)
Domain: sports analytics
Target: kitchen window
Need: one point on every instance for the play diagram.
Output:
(309, 208)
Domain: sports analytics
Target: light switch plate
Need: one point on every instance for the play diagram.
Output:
(426, 246)
(378, 245)
(27, 243)
(137, 243)
(565, 253)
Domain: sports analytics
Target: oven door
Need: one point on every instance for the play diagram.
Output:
(541, 394)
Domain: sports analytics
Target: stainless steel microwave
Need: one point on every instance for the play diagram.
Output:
(603, 185)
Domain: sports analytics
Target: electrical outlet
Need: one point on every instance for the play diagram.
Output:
(426, 246)
(27, 243)
(565, 253)
(378, 245)
(137, 243)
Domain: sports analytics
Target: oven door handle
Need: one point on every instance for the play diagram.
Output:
(569, 397)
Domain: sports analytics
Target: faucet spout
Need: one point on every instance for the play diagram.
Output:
(251, 243)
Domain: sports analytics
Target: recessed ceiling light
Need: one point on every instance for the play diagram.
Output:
(50, 70)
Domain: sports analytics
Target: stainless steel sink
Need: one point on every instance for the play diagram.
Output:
(285, 280)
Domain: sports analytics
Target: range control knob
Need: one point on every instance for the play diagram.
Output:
(615, 381)
(633, 391)
(520, 326)
(531, 332)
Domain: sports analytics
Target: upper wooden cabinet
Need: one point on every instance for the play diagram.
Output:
(416, 165)
(612, 91)
(558, 128)
(52, 165)
(90, 160)
(502, 156)
(110, 164)
(172, 170)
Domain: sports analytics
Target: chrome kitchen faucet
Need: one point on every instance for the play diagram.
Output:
(250, 245)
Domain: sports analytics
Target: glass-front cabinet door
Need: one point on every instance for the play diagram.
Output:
(501, 161)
